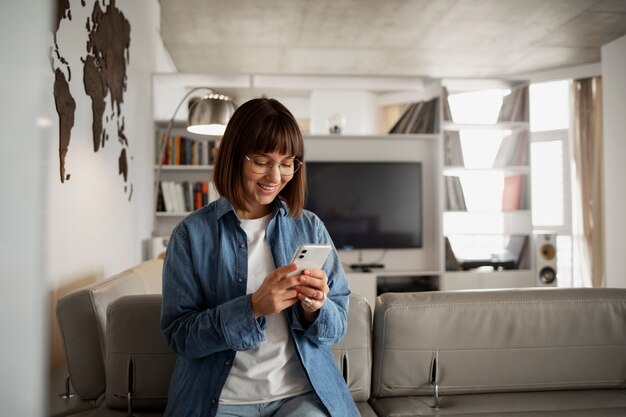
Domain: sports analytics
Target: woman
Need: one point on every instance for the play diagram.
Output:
(249, 340)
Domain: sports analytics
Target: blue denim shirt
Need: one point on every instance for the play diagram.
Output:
(207, 317)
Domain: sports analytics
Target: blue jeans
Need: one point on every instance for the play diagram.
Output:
(305, 405)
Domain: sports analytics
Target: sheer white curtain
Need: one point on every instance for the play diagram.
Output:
(586, 131)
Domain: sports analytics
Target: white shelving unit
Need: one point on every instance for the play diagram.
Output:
(485, 181)
(403, 267)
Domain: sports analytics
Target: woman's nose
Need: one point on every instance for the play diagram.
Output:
(274, 173)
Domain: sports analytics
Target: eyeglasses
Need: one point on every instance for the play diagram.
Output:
(263, 165)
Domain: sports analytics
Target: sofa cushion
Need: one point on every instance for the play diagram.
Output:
(365, 409)
(137, 356)
(499, 341)
(353, 353)
(587, 403)
(82, 321)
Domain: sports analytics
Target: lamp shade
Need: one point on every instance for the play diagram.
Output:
(209, 114)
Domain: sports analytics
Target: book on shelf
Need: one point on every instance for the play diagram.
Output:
(158, 137)
(455, 199)
(452, 263)
(169, 151)
(180, 197)
(447, 113)
(197, 195)
(205, 192)
(515, 106)
(160, 200)
(514, 194)
(185, 196)
(513, 150)
(520, 156)
(453, 151)
(402, 122)
(420, 117)
(180, 150)
(164, 191)
(176, 150)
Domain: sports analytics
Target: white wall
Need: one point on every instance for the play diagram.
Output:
(614, 108)
(95, 226)
(359, 109)
(24, 88)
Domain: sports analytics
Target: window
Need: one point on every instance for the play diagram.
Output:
(548, 183)
(549, 106)
(550, 168)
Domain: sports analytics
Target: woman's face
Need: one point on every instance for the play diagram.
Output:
(260, 189)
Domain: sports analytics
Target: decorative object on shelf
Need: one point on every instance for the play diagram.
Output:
(336, 122)
(208, 116)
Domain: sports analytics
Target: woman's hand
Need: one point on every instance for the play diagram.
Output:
(312, 291)
(276, 293)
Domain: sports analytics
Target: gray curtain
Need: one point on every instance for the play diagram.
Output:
(586, 133)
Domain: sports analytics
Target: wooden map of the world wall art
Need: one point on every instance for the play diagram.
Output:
(103, 70)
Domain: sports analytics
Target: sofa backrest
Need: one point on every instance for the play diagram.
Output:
(499, 341)
(139, 360)
(82, 321)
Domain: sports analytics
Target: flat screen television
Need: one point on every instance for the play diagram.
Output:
(368, 205)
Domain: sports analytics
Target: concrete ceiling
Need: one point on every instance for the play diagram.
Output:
(425, 38)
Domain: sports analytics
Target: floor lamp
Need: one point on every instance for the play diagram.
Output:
(208, 116)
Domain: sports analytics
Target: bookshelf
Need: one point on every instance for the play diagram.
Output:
(485, 181)
(186, 174)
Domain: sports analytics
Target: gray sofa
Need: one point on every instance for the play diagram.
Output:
(547, 352)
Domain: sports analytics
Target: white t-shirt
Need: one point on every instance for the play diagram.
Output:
(273, 370)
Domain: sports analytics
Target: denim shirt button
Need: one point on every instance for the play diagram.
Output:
(213, 401)
(227, 363)
(242, 245)
(240, 280)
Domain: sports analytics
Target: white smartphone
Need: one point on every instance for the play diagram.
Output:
(309, 256)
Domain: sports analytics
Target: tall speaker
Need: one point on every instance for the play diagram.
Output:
(545, 259)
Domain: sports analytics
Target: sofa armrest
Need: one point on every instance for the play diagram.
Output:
(138, 360)
(82, 321)
(353, 353)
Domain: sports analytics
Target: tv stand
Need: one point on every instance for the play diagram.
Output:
(366, 267)
(370, 283)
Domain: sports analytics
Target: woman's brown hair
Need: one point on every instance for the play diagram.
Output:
(261, 125)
